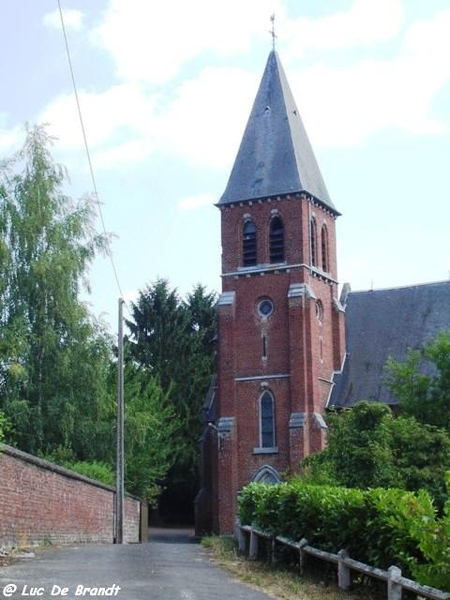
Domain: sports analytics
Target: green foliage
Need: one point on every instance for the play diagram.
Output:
(5, 428)
(359, 446)
(433, 539)
(57, 371)
(53, 356)
(425, 397)
(150, 432)
(171, 341)
(369, 447)
(376, 526)
(94, 469)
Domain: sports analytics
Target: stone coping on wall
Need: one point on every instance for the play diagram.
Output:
(49, 466)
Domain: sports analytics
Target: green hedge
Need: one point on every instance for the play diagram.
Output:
(381, 527)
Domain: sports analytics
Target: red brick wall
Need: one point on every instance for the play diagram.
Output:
(303, 343)
(42, 502)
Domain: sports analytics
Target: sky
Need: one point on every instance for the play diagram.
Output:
(166, 88)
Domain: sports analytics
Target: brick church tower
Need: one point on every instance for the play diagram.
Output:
(280, 324)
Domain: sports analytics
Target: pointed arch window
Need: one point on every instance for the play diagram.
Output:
(267, 420)
(249, 244)
(313, 241)
(324, 242)
(276, 240)
(267, 474)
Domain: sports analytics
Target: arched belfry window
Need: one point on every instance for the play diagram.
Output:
(313, 242)
(324, 241)
(249, 244)
(276, 240)
(267, 420)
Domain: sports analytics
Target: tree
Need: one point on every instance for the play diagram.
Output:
(57, 369)
(53, 356)
(422, 383)
(5, 427)
(150, 433)
(359, 446)
(171, 341)
(369, 447)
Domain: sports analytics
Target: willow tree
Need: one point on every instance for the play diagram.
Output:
(53, 356)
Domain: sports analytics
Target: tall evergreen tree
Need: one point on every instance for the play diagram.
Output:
(172, 340)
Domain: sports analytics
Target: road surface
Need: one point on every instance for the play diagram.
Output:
(170, 567)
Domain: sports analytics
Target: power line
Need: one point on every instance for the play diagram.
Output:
(86, 146)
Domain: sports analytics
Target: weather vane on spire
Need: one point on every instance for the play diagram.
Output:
(272, 31)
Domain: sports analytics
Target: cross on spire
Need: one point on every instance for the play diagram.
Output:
(272, 31)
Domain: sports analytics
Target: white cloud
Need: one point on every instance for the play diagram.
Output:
(151, 41)
(126, 153)
(73, 19)
(119, 113)
(10, 140)
(346, 104)
(429, 37)
(193, 202)
(366, 22)
(205, 122)
(202, 119)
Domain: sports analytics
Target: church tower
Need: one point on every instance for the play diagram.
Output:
(280, 324)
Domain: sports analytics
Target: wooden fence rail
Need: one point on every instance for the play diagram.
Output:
(248, 540)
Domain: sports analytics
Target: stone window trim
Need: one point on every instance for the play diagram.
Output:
(267, 474)
(265, 307)
(266, 409)
(259, 450)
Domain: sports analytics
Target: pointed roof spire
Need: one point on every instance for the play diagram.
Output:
(275, 156)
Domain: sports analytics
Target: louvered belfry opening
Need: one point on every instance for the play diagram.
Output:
(276, 240)
(249, 244)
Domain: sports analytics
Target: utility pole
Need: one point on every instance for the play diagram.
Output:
(120, 490)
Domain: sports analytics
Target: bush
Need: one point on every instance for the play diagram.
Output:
(381, 527)
(5, 428)
(94, 470)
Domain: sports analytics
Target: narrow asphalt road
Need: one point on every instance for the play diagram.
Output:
(170, 567)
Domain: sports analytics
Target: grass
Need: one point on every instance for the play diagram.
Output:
(281, 582)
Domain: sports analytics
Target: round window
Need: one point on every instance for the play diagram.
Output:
(265, 307)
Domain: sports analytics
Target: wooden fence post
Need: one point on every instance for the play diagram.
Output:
(393, 584)
(241, 538)
(302, 555)
(253, 550)
(344, 578)
(273, 551)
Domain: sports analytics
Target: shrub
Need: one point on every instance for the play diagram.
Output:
(94, 470)
(381, 527)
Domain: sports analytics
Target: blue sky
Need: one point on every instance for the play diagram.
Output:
(166, 89)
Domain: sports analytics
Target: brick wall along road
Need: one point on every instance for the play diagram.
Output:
(41, 502)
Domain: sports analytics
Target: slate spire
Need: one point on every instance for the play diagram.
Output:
(275, 156)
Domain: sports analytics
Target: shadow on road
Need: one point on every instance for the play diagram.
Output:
(171, 535)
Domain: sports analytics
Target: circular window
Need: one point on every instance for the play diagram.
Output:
(265, 307)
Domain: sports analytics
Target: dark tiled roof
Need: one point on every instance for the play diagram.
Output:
(385, 323)
(275, 156)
